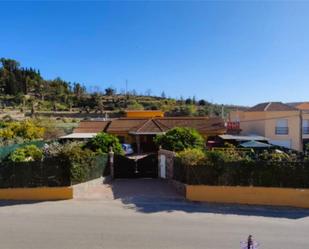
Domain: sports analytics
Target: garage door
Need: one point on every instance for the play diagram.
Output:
(283, 143)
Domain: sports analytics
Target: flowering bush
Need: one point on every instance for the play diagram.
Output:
(26, 154)
(27, 129)
(191, 156)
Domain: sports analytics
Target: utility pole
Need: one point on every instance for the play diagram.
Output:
(126, 87)
(222, 111)
(126, 95)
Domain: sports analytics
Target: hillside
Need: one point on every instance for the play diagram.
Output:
(25, 90)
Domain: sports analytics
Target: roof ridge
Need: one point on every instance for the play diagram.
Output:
(158, 121)
(267, 106)
(157, 124)
(143, 125)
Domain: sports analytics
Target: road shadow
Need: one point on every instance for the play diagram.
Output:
(155, 195)
(5, 203)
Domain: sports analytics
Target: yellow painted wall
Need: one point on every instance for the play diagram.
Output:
(250, 122)
(305, 117)
(294, 127)
(144, 114)
(37, 194)
(249, 195)
(264, 123)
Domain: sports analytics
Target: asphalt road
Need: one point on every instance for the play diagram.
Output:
(143, 222)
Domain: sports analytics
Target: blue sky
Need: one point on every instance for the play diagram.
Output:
(226, 52)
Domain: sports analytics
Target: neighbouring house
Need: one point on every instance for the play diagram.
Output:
(282, 124)
(304, 108)
(140, 131)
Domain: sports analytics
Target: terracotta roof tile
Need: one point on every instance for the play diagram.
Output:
(303, 106)
(211, 126)
(125, 124)
(91, 126)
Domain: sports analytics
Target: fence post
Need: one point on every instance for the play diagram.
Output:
(111, 161)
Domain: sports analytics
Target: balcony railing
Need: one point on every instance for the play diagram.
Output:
(305, 130)
(233, 125)
(282, 130)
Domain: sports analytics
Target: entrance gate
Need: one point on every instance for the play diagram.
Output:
(145, 167)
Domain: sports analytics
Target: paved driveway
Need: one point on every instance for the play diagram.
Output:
(129, 189)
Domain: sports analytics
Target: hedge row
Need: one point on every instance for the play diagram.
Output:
(51, 172)
(244, 173)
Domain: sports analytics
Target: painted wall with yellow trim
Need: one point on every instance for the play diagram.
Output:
(37, 194)
(249, 195)
(144, 114)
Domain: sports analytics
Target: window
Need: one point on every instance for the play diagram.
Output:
(282, 127)
(306, 126)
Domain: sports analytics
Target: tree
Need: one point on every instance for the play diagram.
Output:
(179, 139)
(102, 142)
(99, 103)
(9, 64)
(193, 100)
(78, 90)
(188, 101)
(202, 102)
(110, 91)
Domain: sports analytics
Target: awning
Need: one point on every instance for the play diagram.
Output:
(243, 138)
(145, 133)
(79, 135)
(255, 144)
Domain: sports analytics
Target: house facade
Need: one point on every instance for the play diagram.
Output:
(284, 125)
(140, 131)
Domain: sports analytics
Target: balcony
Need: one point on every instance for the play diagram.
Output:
(282, 130)
(306, 130)
(233, 127)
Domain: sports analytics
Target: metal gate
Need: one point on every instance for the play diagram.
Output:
(145, 167)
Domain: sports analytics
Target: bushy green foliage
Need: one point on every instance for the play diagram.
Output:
(191, 157)
(80, 158)
(244, 173)
(276, 156)
(26, 154)
(27, 130)
(134, 105)
(179, 139)
(102, 143)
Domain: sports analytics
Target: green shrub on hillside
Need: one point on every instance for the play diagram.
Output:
(27, 129)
